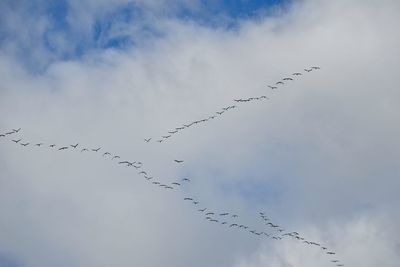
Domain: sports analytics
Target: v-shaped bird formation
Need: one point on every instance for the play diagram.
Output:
(228, 219)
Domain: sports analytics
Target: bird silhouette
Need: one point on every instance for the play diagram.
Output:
(147, 140)
(38, 144)
(63, 148)
(25, 144)
(178, 161)
(75, 146)
(16, 130)
(16, 141)
(96, 150)
(52, 145)
(106, 153)
(116, 157)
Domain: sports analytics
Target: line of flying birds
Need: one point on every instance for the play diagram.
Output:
(224, 110)
(227, 219)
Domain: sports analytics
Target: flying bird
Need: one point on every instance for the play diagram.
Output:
(96, 150)
(25, 144)
(147, 140)
(75, 146)
(63, 148)
(178, 161)
(287, 79)
(203, 210)
(297, 74)
(9, 133)
(209, 213)
(2, 135)
(330, 253)
(272, 87)
(175, 183)
(186, 179)
(308, 70)
(188, 198)
(52, 145)
(106, 153)
(280, 83)
(85, 149)
(16, 141)
(115, 157)
(16, 130)
(223, 214)
(39, 144)
(316, 68)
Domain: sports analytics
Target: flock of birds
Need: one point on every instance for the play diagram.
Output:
(226, 218)
(226, 109)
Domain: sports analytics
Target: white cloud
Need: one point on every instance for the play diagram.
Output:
(325, 147)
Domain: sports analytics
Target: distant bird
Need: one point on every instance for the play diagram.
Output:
(25, 144)
(196, 202)
(147, 140)
(330, 253)
(2, 135)
(173, 132)
(16, 141)
(16, 130)
(106, 153)
(308, 70)
(203, 210)
(175, 183)
(156, 182)
(188, 198)
(166, 136)
(96, 150)
(213, 220)
(38, 144)
(161, 140)
(8, 133)
(115, 157)
(316, 68)
(63, 148)
(234, 216)
(233, 224)
(143, 172)
(75, 146)
(280, 82)
(334, 261)
(297, 74)
(287, 79)
(272, 87)
(324, 248)
(209, 213)
(223, 214)
(224, 223)
(178, 161)
(52, 145)
(220, 113)
(85, 149)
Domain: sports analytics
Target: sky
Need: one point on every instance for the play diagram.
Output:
(317, 155)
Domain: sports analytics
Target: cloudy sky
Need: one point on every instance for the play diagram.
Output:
(319, 156)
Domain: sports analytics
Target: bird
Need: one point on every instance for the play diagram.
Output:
(75, 146)
(316, 68)
(16, 141)
(186, 179)
(85, 149)
(25, 144)
(143, 172)
(175, 183)
(324, 248)
(213, 220)
(2, 135)
(161, 140)
(220, 113)
(234, 216)
(223, 214)
(297, 74)
(272, 87)
(209, 213)
(16, 130)
(147, 140)
(188, 198)
(203, 210)
(52, 145)
(173, 132)
(63, 148)
(224, 223)
(233, 224)
(334, 261)
(196, 202)
(178, 161)
(280, 82)
(287, 79)
(96, 150)
(38, 144)
(115, 157)
(156, 182)
(308, 70)
(330, 253)
(106, 153)
(166, 136)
